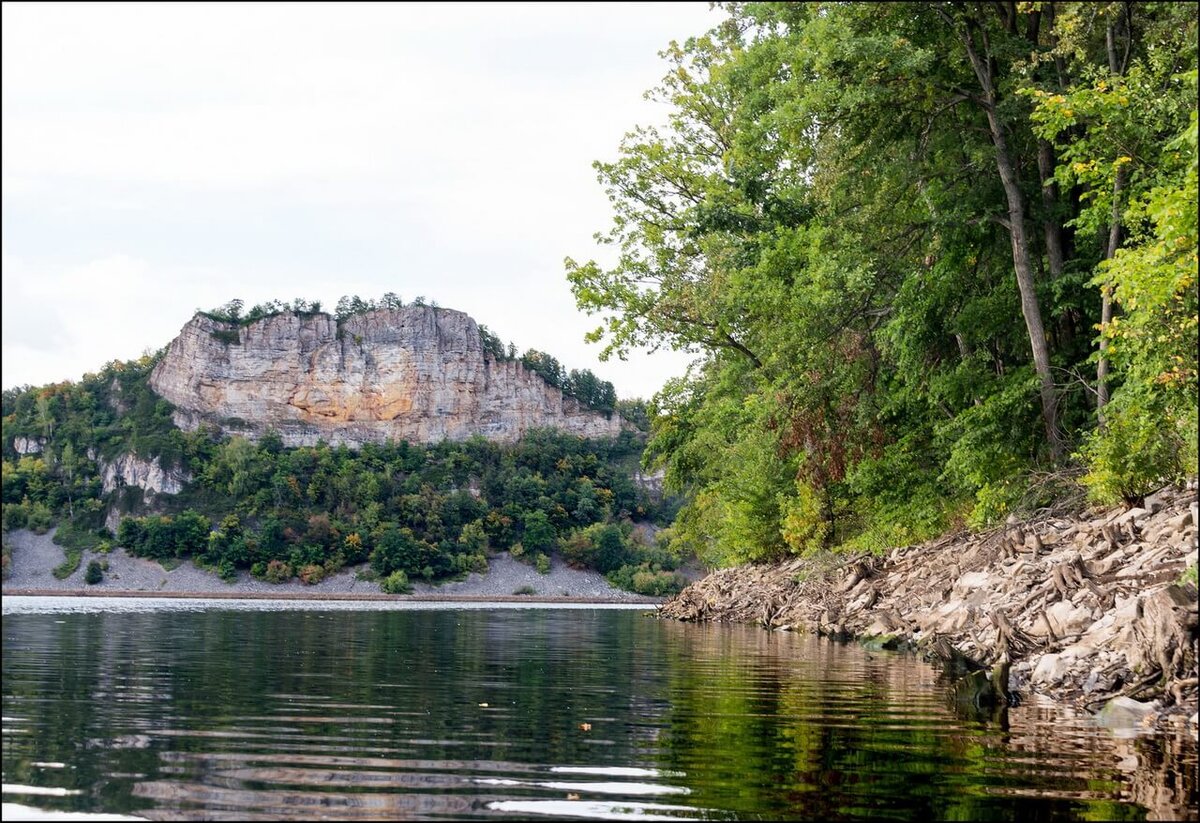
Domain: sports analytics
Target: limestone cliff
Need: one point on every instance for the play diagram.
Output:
(417, 373)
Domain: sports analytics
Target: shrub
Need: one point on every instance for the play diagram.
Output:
(542, 564)
(40, 518)
(1138, 451)
(278, 572)
(72, 536)
(94, 573)
(312, 574)
(524, 590)
(227, 571)
(16, 516)
(648, 580)
(396, 583)
(67, 568)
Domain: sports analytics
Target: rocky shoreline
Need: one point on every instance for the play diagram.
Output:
(1090, 611)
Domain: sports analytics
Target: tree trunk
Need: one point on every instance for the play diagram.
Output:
(1106, 308)
(1055, 251)
(1110, 251)
(1020, 245)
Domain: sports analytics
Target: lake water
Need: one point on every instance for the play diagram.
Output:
(171, 709)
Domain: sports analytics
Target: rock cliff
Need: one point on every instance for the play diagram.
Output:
(417, 373)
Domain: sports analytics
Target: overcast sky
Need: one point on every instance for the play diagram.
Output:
(159, 158)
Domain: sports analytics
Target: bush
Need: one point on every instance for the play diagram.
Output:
(277, 572)
(67, 568)
(648, 580)
(16, 516)
(94, 573)
(1139, 450)
(227, 571)
(525, 590)
(40, 518)
(312, 574)
(396, 583)
(71, 536)
(542, 564)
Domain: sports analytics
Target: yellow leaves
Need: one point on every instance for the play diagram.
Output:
(1122, 160)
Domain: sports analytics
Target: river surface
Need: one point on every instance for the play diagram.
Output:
(170, 710)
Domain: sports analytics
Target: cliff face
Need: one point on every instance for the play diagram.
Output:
(416, 374)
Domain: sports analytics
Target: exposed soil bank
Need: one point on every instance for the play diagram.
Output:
(1086, 611)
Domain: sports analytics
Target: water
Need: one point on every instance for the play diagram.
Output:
(259, 710)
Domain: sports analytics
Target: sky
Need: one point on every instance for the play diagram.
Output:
(164, 158)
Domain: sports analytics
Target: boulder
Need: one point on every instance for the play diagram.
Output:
(1125, 713)
(1050, 669)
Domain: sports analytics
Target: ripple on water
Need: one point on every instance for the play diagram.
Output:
(266, 712)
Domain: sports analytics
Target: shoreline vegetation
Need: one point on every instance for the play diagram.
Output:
(342, 596)
(1098, 613)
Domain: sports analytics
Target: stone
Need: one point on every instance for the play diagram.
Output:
(1131, 516)
(1051, 668)
(416, 373)
(1068, 619)
(28, 445)
(131, 470)
(1125, 713)
(971, 581)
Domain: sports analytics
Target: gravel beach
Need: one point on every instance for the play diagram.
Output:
(34, 557)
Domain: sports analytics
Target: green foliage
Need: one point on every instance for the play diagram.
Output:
(542, 563)
(648, 579)
(524, 590)
(1149, 435)
(94, 573)
(69, 565)
(828, 221)
(1190, 576)
(40, 518)
(77, 537)
(274, 571)
(1141, 447)
(396, 583)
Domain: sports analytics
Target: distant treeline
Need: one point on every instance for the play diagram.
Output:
(410, 510)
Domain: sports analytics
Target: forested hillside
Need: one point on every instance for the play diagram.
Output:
(95, 458)
(939, 261)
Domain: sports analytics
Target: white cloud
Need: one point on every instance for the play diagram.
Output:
(157, 158)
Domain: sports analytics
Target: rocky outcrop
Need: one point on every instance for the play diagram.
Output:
(149, 476)
(1083, 610)
(417, 373)
(28, 445)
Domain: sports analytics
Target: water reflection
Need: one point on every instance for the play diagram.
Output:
(366, 714)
